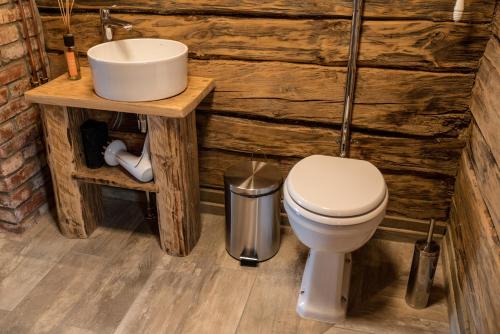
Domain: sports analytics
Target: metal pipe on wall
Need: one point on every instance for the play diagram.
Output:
(35, 80)
(345, 138)
(40, 44)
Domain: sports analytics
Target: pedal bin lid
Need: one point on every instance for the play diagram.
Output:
(253, 178)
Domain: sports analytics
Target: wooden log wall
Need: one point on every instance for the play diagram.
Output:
(473, 240)
(280, 70)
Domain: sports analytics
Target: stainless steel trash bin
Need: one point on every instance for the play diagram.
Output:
(252, 196)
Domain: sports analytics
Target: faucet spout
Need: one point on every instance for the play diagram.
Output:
(119, 23)
(108, 22)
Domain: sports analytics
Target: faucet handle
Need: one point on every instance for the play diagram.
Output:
(104, 13)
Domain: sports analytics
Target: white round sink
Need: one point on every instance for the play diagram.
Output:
(139, 69)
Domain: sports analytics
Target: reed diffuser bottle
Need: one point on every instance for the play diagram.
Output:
(66, 8)
(71, 57)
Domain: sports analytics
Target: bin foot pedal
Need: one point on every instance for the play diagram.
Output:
(249, 258)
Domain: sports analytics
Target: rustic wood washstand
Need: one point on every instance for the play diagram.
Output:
(174, 155)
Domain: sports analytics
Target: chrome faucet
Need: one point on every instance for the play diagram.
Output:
(107, 24)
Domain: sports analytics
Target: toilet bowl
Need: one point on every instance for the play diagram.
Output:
(334, 206)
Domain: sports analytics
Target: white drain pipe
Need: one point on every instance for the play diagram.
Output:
(139, 166)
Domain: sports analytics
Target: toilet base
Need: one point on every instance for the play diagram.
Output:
(325, 286)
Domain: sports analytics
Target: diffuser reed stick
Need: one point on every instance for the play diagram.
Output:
(66, 9)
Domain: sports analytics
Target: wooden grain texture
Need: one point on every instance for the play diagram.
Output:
(45, 245)
(485, 105)
(475, 10)
(422, 197)
(163, 303)
(80, 94)
(140, 289)
(477, 252)
(41, 311)
(438, 156)
(120, 222)
(115, 288)
(18, 277)
(229, 307)
(496, 23)
(456, 313)
(413, 194)
(413, 44)
(487, 172)
(174, 155)
(79, 206)
(410, 103)
(275, 93)
(114, 177)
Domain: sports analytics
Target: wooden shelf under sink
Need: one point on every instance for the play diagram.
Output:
(173, 149)
(114, 177)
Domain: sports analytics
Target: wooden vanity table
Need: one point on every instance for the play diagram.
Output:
(174, 155)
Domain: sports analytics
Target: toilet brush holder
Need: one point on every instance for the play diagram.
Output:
(423, 268)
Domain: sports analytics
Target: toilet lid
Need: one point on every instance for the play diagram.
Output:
(336, 187)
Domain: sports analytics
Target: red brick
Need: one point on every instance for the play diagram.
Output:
(11, 164)
(7, 131)
(12, 72)
(8, 34)
(9, 14)
(27, 118)
(12, 51)
(17, 215)
(25, 137)
(23, 171)
(28, 222)
(13, 108)
(15, 198)
(4, 96)
(29, 169)
(33, 149)
(18, 87)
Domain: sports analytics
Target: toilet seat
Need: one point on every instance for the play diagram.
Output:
(335, 191)
(333, 221)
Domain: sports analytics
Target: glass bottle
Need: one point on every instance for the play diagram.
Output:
(71, 57)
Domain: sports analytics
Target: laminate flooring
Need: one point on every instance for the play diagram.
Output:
(120, 281)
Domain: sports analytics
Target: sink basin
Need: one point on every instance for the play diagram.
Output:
(139, 69)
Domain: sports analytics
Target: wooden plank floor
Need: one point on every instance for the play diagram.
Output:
(119, 281)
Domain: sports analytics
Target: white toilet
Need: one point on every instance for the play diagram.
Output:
(334, 206)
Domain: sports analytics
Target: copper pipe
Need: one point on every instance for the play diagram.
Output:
(41, 48)
(34, 75)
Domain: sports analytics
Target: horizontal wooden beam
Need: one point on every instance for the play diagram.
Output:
(412, 196)
(405, 155)
(412, 44)
(113, 177)
(409, 102)
(475, 10)
(213, 199)
(412, 103)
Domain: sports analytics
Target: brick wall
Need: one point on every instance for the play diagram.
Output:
(23, 175)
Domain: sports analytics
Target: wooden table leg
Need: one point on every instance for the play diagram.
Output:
(174, 155)
(79, 205)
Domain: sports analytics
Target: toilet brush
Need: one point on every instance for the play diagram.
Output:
(423, 268)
